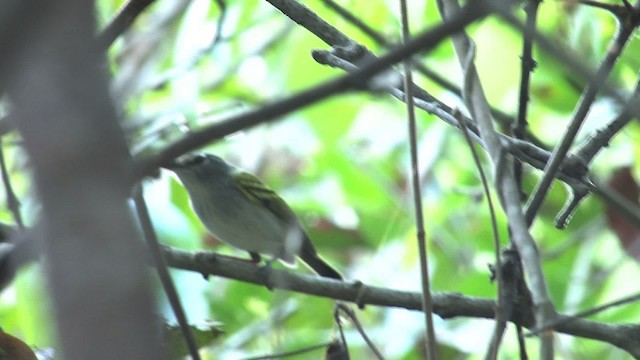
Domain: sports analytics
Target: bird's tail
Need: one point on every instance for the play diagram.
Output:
(316, 263)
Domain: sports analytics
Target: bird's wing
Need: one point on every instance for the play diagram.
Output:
(256, 191)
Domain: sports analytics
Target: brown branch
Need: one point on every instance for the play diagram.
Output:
(616, 46)
(445, 305)
(358, 79)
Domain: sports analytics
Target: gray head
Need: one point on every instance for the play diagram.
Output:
(202, 169)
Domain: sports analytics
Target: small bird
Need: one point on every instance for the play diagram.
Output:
(240, 210)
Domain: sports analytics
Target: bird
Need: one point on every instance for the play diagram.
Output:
(239, 209)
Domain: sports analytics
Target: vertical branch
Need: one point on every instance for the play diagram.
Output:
(427, 302)
(520, 128)
(506, 186)
(528, 65)
(501, 321)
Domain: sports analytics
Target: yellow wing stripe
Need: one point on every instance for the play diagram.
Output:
(257, 192)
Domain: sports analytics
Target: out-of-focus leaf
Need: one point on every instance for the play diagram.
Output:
(622, 181)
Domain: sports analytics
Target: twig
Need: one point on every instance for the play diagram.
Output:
(510, 196)
(528, 65)
(588, 96)
(500, 318)
(503, 118)
(346, 310)
(582, 314)
(122, 21)
(430, 344)
(602, 137)
(163, 273)
(12, 200)
(356, 80)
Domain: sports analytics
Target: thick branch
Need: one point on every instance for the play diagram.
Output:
(445, 305)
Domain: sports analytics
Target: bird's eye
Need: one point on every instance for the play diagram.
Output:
(198, 159)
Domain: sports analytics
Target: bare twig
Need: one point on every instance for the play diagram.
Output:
(431, 344)
(346, 310)
(528, 65)
(356, 80)
(503, 118)
(601, 138)
(582, 314)
(122, 21)
(506, 185)
(160, 264)
(12, 200)
(500, 320)
(588, 96)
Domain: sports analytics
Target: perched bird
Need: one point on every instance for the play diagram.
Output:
(239, 209)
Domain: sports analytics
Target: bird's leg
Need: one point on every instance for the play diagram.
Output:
(265, 273)
(255, 257)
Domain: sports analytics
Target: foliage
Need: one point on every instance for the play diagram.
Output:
(343, 166)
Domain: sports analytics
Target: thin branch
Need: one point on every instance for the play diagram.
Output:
(427, 302)
(446, 305)
(505, 182)
(528, 65)
(356, 80)
(571, 62)
(500, 320)
(122, 21)
(503, 118)
(617, 10)
(582, 314)
(312, 22)
(601, 138)
(560, 151)
(346, 310)
(160, 264)
(12, 200)
(427, 103)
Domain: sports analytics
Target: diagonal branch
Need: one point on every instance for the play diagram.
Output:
(588, 96)
(358, 79)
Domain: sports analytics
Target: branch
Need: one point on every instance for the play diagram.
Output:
(122, 21)
(586, 100)
(501, 117)
(359, 79)
(445, 305)
(506, 186)
(427, 301)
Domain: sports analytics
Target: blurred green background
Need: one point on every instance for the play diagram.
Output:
(342, 165)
